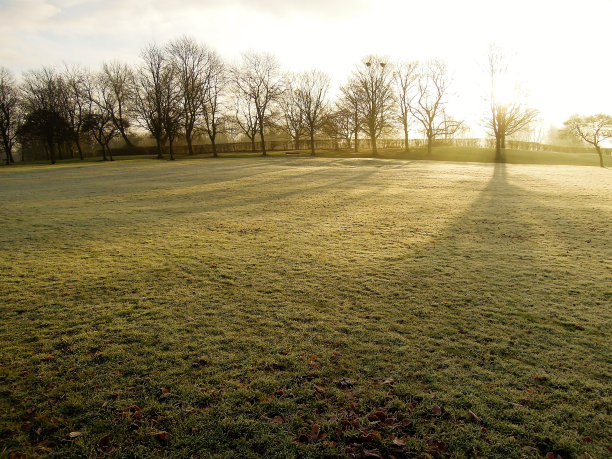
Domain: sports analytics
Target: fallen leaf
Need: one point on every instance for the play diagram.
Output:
(436, 410)
(345, 382)
(578, 327)
(189, 319)
(374, 453)
(278, 419)
(550, 455)
(389, 382)
(75, 434)
(319, 388)
(314, 433)
(165, 394)
(587, 439)
(399, 442)
(134, 411)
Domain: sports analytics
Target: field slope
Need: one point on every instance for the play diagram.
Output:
(314, 307)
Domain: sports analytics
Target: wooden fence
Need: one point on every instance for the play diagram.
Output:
(37, 152)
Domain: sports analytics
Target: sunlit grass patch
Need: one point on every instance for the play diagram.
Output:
(313, 307)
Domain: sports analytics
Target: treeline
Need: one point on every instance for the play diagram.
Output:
(183, 91)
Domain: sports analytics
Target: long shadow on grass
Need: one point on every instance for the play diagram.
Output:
(474, 320)
(510, 325)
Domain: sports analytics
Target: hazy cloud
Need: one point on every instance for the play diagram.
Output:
(559, 45)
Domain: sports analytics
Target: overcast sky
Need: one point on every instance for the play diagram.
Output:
(561, 50)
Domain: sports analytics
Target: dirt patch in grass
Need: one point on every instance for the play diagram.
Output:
(306, 307)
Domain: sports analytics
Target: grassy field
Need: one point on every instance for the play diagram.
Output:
(305, 307)
(448, 153)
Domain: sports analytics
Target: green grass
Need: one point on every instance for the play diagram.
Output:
(442, 153)
(213, 307)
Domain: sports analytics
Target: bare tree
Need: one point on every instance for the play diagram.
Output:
(246, 117)
(311, 98)
(190, 60)
(214, 89)
(334, 126)
(258, 80)
(172, 112)
(76, 101)
(102, 129)
(348, 107)
(373, 81)
(291, 114)
(405, 76)
(428, 104)
(10, 113)
(593, 130)
(45, 120)
(98, 119)
(149, 95)
(119, 80)
(506, 117)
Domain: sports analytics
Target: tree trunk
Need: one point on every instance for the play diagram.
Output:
(356, 142)
(59, 150)
(373, 140)
(263, 143)
(498, 152)
(9, 154)
(79, 148)
(601, 163)
(160, 155)
(125, 138)
(110, 153)
(171, 148)
(189, 142)
(253, 144)
(406, 145)
(52, 151)
(429, 145)
(312, 145)
(214, 147)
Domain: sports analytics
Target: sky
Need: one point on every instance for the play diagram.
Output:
(560, 51)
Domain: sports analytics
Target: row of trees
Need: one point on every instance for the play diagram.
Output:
(184, 90)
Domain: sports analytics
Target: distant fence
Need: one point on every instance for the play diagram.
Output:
(366, 144)
(33, 152)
